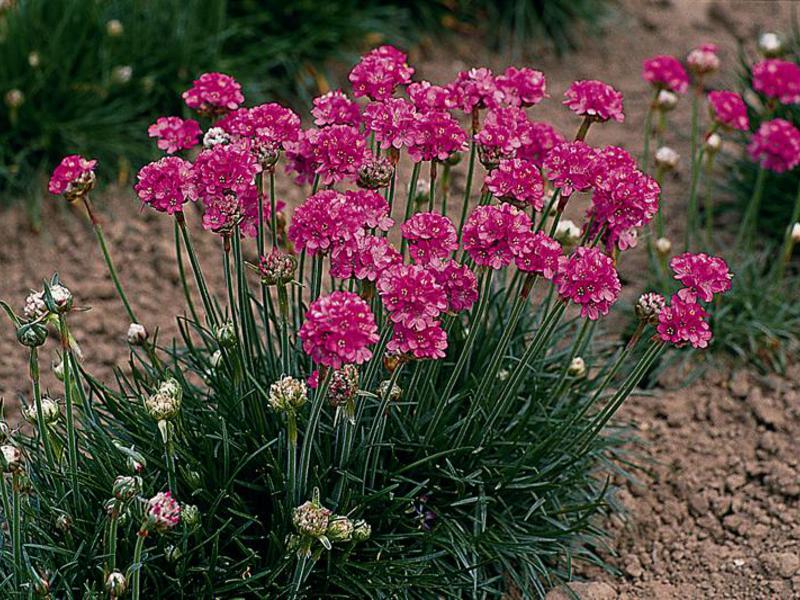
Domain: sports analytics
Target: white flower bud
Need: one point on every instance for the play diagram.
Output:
(122, 74)
(667, 158)
(770, 44)
(114, 28)
(287, 394)
(713, 142)
(796, 233)
(34, 59)
(116, 584)
(567, 233)
(50, 412)
(137, 334)
(14, 98)
(216, 359)
(165, 404)
(215, 136)
(58, 370)
(12, 458)
(648, 307)
(577, 368)
(666, 100)
(36, 305)
(663, 246)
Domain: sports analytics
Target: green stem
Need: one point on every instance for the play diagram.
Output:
(72, 442)
(273, 205)
(691, 220)
(182, 273)
(708, 200)
(648, 132)
(283, 306)
(113, 525)
(744, 240)
(309, 434)
(17, 531)
(584, 128)
(136, 567)
(467, 185)
(412, 192)
(198, 273)
(44, 434)
(432, 190)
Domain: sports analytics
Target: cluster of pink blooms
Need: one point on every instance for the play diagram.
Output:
(163, 513)
(431, 236)
(166, 185)
(517, 181)
(776, 146)
(728, 109)
(335, 108)
(71, 170)
(380, 72)
(594, 99)
(588, 278)
(703, 275)
(214, 94)
(493, 234)
(175, 134)
(666, 72)
(571, 167)
(779, 79)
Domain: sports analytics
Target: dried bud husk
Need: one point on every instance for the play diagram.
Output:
(63, 522)
(375, 173)
(395, 393)
(577, 368)
(340, 529)
(11, 458)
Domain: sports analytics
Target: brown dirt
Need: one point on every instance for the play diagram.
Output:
(716, 514)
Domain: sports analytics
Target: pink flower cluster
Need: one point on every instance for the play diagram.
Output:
(684, 322)
(540, 139)
(728, 109)
(363, 257)
(163, 513)
(214, 94)
(337, 152)
(411, 295)
(538, 253)
(594, 99)
(69, 172)
(175, 134)
(703, 275)
(264, 124)
(776, 78)
(776, 146)
(522, 87)
(703, 59)
(380, 72)
(625, 199)
(666, 72)
(476, 88)
(335, 108)
(428, 97)
(431, 236)
(518, 181)
(337, 330)
(493, 234)
(587, 277)
(392, 122)
(435, 135)
(459, 284)
(572, 166)
(166, 184)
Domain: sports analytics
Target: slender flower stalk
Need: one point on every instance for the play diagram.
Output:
(790, 239)
(744, 239)
(72, 440)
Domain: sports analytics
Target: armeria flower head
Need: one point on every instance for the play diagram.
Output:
(435, 135)
(776, 146)
(429, 342)
(588, 278)
(273, 123)
(538, 253)
(458, 282)
(427, 97)
(300, 158)
(649, 306)
(777, 78)
(411, 295)
(391, 121)
(338, 151)
(625, 199)
(175, 134)
(73, 176)
(225, 169)
(364, 257)
(163, 513)
(380, 72)
(702, 274)
(368, 209)
(335, 108)
(522, 87)
(728, 109)
(703, 60)
(594, 99)
(493, 234)
(476, 88)
(571, 166)
(323, 221)
(214, 94)
(248, 206)
(517, 181)
(614, 158)
(506, 129)
(237, 124)
(431, 236)
(540, 139)
(337, 330)
(375, 173)
(666, 72)
(684, 322)
(166, 184)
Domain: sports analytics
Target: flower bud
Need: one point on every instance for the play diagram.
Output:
(122, 74)
(277, 268)
(663, 247)
(114, 28)
(577, 368)
(340, 529)
(190, 515)
(137, 334)
(343, 386)
(648, 306)
(215, 136)
(63, 522)
(666, 158)
(32, 335)
(391, 361)
(126, 487)
(770, 44)
(394, 394)
(116, 584)
(50, 412)
(567, 233)
(287, 394)
(489, 156)
(11, 458)
(713, 143)
(666, 100)
(172, 553)
(795, 233)
(361, 531)
(703, 60)
(14, 98)
(34, 60)
(216, 359)
(165, 404)
(225, 335)
(58, 370)
(163, 513)
(311, 518)
(267, 153)
(375, 173)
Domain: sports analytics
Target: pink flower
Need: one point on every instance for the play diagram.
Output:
(522, 87)
(506, 129)
(595, 99)
(614, 158)
(338, 151)
(237, 123)
(337, 330)
(248, 207)
(72, 173)
(430, 236)
(704, 275)
(363, 257)
(476, 88)
(538, 253)
(493, 233)
(163, 513)
(703, 59)
(300, 158)
(335, 108)
(458, 282)
(380, 72)
(588, 278)
(275, 124)
(537, 143)
(427, 97)
(682, 322)
(391, 121)
(571, 166)
(776, 78)
(225, 169)
(429, 342)
(411, 295)
(435, 135)
(323, 221)
(369, 209)
(166, 185)
(666, 72)
(728, 109)
(776, 146)
(214, 94)
(625, 199)
(175, 134)
(517, 181)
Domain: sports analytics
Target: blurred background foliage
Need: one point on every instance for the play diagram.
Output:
(89, 75)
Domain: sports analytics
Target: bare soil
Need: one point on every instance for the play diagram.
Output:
(714, 515)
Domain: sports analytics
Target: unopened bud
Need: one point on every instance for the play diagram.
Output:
(667, 158)
(376, 173)
(190, 515)
(11, 458)
(311, 518)
(14, 98)
(713, 143)
(287, 394)
(663, 246)
(63, 522)
(126, 487)
(361, 531)
(577, 367)
(58, 370)
(114, 28)
(567, 233)
(770, 44)
(703, 60)
(50, 412)
(172, 553)
(32, 335)
(225, 334)
(34, 59)
(165, 403)
(216, 136)
(277, 268)
(648, 307)
(343, 385)
(137, 334)
(394, 394)
(340, 529)
(666, 100)
(116, 584)
(216, 359)
(490, 156)
(795, 233)
(122, 74)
